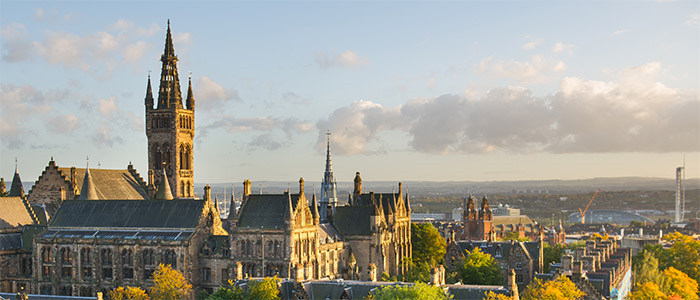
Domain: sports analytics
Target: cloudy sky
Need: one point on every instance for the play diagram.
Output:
(440, 91)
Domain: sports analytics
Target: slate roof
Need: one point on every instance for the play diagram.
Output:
(475, 292)
(511, 223)
(265, 210)
(111, 184)
(16, 189)
(353, 220)
(13, 213)
(10, 241)
(327, 233)
(11, 296)
(175, 214)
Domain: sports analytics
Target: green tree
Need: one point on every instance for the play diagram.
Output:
(128, 293)
(479, 268)
(428, 245)
(514, 236)
(266, 289)
(684, 254)
(169, 284)
(419, 291)
(646, 269)
(558, 289)
(417, 272)
(234, 293)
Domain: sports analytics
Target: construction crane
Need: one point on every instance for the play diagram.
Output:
(583, 213)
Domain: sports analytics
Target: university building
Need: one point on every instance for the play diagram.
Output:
(101, 229)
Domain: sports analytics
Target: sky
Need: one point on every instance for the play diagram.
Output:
(410, 90)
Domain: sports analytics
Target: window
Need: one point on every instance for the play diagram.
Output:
(519, 278)
(46, 261)
(149, 263)
(127, 264)
(86, 263)
(170, 258)
(106, 257)
(518, 265)
(206, 274)
(224, 276)
(66, 262)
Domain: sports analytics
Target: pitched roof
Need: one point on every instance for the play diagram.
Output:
(88, 192)
(13, 213)
(353, 220)
(128, 214)
(164, 192)
(266, 210)
(16, 189)
(112, 184)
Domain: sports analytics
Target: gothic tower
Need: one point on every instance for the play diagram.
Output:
(329, 195)
(170, 128)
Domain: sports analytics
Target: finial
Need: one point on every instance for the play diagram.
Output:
(190, 75)
(15, 164)
(149, 74)
(52, 157)
(168, 22)
(87, 162)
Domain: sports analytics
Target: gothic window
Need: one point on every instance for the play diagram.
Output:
(47, 261)
(187, 158)
(189, 192)
(170, 258)
(26, 266)
(166, 155)
(128, 264)
(106, 257)
(226, 249)
(86, 262)
(183, 160)
(182, 188)
(206, 274)
(157, 159)
(66, 262)
(224, 276)
(149, 263)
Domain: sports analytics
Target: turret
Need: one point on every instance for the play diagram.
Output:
(357, 190)
(314, 209)
(16, 189)
(190, 95)
(88, 192)
(149, 94)
(164, 192)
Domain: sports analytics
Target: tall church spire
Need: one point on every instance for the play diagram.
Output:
(169, 95)
(329, 191)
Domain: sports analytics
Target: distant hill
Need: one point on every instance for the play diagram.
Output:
(474, 187)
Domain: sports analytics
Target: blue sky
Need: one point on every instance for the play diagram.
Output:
(441, 91)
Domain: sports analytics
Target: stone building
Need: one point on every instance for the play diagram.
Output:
(96, 245)
(525, 258)
(480, 224)
(170, 128)
(56, 184)
(109, 228)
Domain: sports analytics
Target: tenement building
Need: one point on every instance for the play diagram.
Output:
(111, 228)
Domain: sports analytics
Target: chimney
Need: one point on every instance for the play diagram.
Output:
(512, 284)
(207, 193)
(246, 188)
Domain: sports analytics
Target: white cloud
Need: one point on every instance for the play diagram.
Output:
(211, 95)
(347, 59)
(63, 124)
(16, 43)
(108, 108)
(561, 47)
(135, 52)
(103, 137)
(357, 125)
(265, 126)
(694, 20)
(620, 32)
(634, 113)
(533, 71)
(531, 44)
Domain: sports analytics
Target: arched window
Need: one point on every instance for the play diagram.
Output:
(157, 159)
(86, 262)
(170, 258)
(188, 157)
(127, 264)
(182, 188)
(189, 192)
(183, 159)
(149, 263)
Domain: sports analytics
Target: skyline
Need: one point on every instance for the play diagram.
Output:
(410, 91)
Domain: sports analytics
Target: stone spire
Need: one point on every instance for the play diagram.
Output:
(88, 192)
(190, 95)
(329, 190)
(164, 192)
(149, 93)
(314, 208)
(232, 213)
(16, 189)
(169, 95)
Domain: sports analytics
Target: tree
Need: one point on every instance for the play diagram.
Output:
(558, 289)
(684, 254)
(234, 293)
(646, 269)
(680, 284)
(169, 284)
(130, 293)
(479, 268)
(266, 289)
(493, 296)
(428, 245)
(417, 272)
(418, 291)
(514, 236)
(647, 291)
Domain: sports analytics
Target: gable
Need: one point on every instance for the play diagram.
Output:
(111, 184)
(13, 213)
